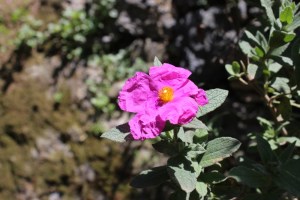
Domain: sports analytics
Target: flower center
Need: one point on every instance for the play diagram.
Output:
(166, 94)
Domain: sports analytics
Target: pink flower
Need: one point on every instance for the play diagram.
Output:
(166, 94)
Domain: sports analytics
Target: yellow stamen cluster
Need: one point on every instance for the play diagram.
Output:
(166, 94)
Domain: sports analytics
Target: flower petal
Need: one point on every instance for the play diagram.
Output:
(169, 75)
(179, 111)
(137, 94)
(187, 89)
(144, 126)
(201, 97)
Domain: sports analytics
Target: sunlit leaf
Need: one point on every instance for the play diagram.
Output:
(218, 149)
(157, 62)
(281, 84)
(182, 173)
(120, 133)
(215, 99)
(195, 124)
(253, 71)
(267, 4)
(286, 15)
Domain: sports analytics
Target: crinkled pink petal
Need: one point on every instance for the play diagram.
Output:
(201, 97)
(187, 89)
(137, 94)
(145, 126)
(169, 75)
(179, 111)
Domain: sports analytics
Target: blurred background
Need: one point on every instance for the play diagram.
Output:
(62, 64)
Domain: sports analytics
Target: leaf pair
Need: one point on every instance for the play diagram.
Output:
(282, 170)
(183, 171)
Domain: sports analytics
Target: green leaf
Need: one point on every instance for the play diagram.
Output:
(289, 37)
(280, 84)
(287, 153)
(200, 136)
(280, 38)
(233, 69)
(265, 151)
(253, 71)
(218, 149)
(182, 173)
(267, 4)
(247, 176)
(274, 67)
(229, 69)
(201, 189)
(185, 136)
(264, 122)
(285, 61)
(295, 24)
(165, 147)
(213, 177)
(157, 62)
(151, 177)
(281, 126)
(290, 139)
(120, 133)
(215, 98)
(194, 150)
(252, 39)
(195, 124)
(288, 182)
(247, 162)
(277, 51)
(246, 48)
(292, 166)
(284, 107)
(236, 67)
(197, 168)
(286, 15)
(259, 52)
(262, 40)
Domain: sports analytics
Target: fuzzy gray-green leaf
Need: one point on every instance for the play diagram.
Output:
(215, 98)
(229, 69)
(118, 134)
(218, 149)
(246, 48)
(201, 189)
(182, 173)
(267, 4)
(280, 84)
(157, 62)
(252, 70)
(195, 124)
(295, 24)
(289, 139)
